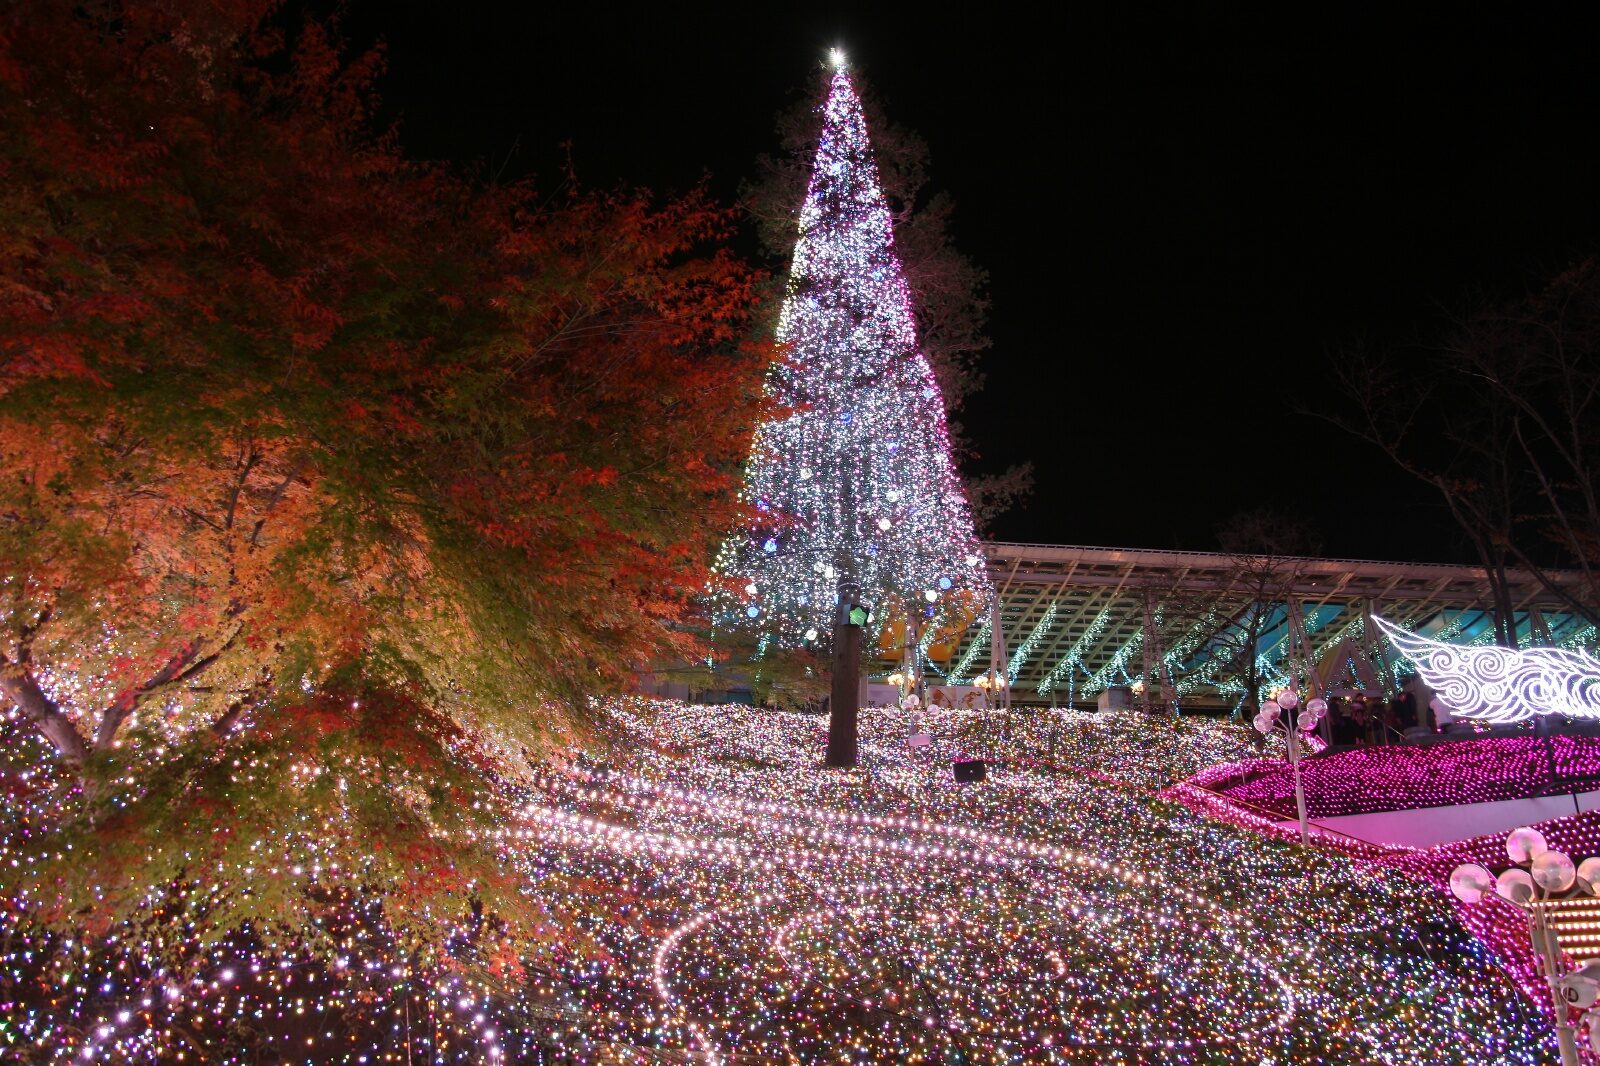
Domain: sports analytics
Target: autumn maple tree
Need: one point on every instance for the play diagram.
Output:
(293, 429)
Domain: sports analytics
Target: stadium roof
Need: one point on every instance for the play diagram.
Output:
(1074, 617)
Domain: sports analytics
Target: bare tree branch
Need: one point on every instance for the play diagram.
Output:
(185, 666)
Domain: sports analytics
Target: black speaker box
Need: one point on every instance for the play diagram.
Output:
(971, 770)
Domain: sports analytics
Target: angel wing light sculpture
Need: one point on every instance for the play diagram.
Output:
(1494, 684)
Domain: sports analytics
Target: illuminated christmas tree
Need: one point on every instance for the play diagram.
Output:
(857, 499)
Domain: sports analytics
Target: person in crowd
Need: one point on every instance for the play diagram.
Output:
(1388, 726)
(1343, 726)
(1360, 718)
(1405, 710)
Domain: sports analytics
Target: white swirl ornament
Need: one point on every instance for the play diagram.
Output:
(1494, 684)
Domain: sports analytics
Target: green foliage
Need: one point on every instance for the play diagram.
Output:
(292, 424)
(373, 796)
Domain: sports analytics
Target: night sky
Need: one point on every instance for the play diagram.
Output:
(1185, 215)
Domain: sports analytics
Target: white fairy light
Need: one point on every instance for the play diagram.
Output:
(856, 473)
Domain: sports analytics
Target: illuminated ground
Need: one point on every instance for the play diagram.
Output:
(714, 895)
(1057, 913)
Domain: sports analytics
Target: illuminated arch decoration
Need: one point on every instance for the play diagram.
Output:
(1493, 684)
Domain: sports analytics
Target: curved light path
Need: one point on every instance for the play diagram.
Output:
(760, 910)
(710, 893)
(1021, 940)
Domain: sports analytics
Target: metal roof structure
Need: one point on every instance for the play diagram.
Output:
(1074, 618)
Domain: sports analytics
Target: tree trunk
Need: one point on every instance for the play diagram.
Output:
(42, 713)
(845, 700)
(1252, 677)
(1505, 611)
(1507, 607)
(844, 704)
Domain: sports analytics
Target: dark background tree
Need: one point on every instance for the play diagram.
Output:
(1225, 621)
(1501, 421)
(1267, 549)
(1538, 360)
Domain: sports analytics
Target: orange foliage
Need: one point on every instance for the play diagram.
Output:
(278, 400)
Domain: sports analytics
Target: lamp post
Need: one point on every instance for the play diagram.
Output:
(1539, 877)
(1278, 716)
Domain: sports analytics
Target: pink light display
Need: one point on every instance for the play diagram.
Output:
(1396, 778)
(1257, 794)
(1497, 923)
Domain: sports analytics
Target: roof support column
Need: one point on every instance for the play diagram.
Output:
(998, 667)
(1375, 642)
(1152, 654)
